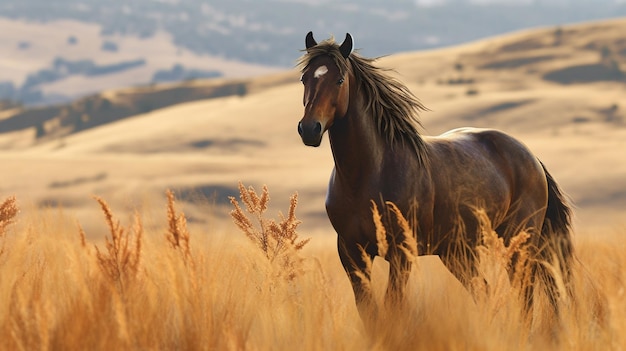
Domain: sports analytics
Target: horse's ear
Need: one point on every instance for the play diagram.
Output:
(310, 42)
(346, 46)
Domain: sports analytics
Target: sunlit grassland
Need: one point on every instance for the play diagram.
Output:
(267, 288)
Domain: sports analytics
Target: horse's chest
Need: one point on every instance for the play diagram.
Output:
(349, 212)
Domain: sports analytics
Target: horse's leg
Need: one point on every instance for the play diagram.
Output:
(534, 271)
(399, 272)
(357, 263)
(461, 262)
(457, 251)
(548, 252)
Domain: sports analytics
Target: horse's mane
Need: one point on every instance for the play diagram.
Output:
(388, 100)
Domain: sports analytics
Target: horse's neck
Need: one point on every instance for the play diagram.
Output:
(357, 146)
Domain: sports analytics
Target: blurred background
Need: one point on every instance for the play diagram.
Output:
(123, 43)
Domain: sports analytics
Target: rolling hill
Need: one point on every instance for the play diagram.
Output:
(560, 90)
(59, 60)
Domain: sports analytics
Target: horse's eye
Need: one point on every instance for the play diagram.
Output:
(340, 81)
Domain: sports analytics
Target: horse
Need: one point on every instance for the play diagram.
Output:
(372, 120)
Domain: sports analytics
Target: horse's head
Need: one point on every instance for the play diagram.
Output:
(326, 88)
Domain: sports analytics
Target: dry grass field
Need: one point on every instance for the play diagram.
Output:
(128, 271)
(169, 288)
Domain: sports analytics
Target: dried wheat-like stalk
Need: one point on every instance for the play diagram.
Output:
(365, 273)
(284, 233)
(279, 241)
(521, 267)
(255, 206)
(408, 245)
(242, 221)
(120, 263)
(381, 232)
(491, 285)
(495, 285)
(82, 236)
(367, 269)
(8, 211)
(177, 235)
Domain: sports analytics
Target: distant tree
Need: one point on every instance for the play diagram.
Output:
(145, 107)
(40, 130)
(82, 122)
(105, 104)
(7, 90)
(179, 73)
(242, 89)
(612, 114)
(109, 46)
(558, 36)
(605, 53)
(472, 91)
(610, 60)
(88, 104)
(23, 45)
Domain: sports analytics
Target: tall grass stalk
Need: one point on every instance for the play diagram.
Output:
(279, 241)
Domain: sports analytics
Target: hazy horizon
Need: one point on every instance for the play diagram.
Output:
(198, 39)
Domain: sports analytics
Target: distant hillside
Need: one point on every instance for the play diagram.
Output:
(588, 53)
(577, 54)
(56, 62)
(266, 31)
(202, 37)
(110, 106)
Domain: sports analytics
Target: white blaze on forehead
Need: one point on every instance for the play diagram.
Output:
(320, 71)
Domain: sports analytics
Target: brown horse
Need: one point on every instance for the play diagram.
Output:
(372, 124)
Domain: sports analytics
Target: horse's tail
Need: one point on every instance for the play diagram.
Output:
(557, 226)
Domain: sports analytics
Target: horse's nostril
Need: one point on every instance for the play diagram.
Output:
(318, 128)
(300, 128)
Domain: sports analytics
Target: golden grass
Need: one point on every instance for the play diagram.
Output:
(493, 285)
(177, 234)
(120, 262)
(277, 240)
(58, 293)
(8, 211)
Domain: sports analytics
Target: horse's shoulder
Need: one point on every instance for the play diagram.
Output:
(465, 135)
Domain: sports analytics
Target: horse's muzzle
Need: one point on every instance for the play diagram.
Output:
(311, 133)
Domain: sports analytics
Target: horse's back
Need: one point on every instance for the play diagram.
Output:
(490, 169)
(488, 147)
